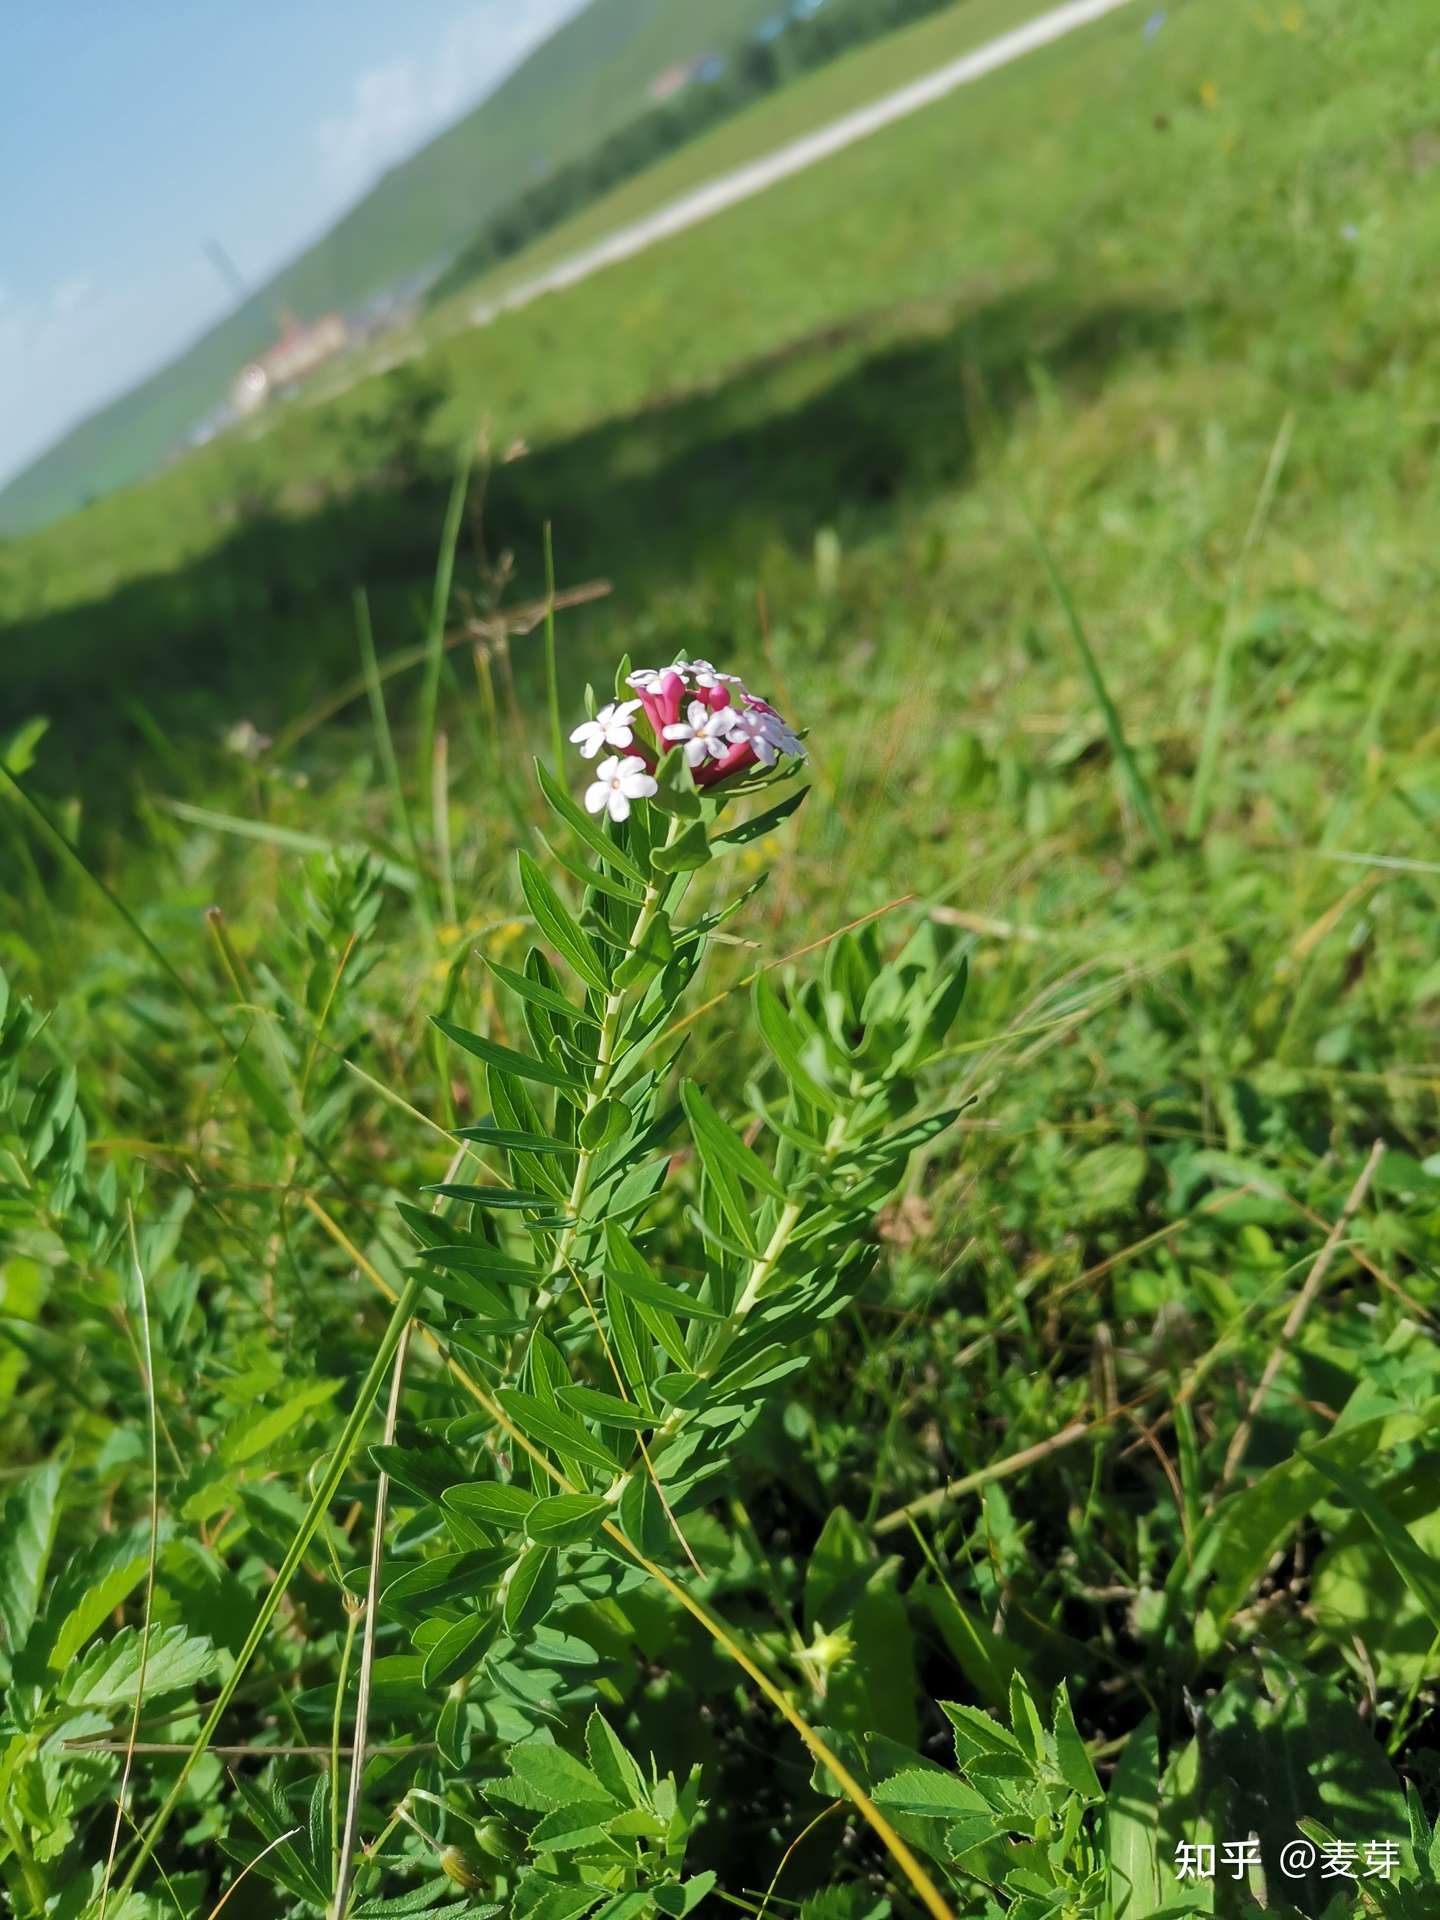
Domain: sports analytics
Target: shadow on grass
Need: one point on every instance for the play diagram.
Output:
(839, 429)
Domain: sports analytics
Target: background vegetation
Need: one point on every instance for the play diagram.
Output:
(1163, 293)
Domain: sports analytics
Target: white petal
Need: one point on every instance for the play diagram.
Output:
(634, 764)
(585, 726)
(699, 713)
(619, 734)
(607, 768)
(677, 730)
(597, 795)
(637, 786)
(695, 751)
(619, 805)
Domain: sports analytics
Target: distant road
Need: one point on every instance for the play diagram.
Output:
(730, 188)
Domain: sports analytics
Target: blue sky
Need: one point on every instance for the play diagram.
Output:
(132, 131)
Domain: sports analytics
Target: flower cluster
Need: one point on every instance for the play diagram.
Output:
(723, 728)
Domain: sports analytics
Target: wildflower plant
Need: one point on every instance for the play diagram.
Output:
(621, 1367)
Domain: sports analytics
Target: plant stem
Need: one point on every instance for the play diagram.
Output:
(324, 1493)
(599, 1081)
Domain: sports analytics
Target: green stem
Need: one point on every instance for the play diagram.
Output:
(728, 1332)
(599, 1082)
(324, 1493)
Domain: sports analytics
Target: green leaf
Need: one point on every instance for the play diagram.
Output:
(781, 1038)
(530, 1593)
(27, 1534)
(1418, 1569)
(525, 1066)
(604, 1123)
(550, 1427)
(110, 1674)
(560, 928)
(254, 1432)
(554, 1777)
(113, 1584)
(927, 1791)
(565, 1519)
(538, 995)
(497, 1199)
(614, 1768)
(627, 1271)
(719, 1145)
(1076, 1767)
(606, 1409)
(585, 828)
(494, 1502)
(762, 823)
(460, 1649)
(1132, 1817)
(511, 1140)
(685, 853)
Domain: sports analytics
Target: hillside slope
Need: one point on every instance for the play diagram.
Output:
(588, 78)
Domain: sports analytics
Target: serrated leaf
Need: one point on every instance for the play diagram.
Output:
(110, 1674)
(1076, 1767)
(920, 1790)
(555, 1778)
(613, 1766)
(254, 1432)
(27, 1534)
(559, 926)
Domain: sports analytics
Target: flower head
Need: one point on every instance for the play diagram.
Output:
(617, 782)
(610, 728)
(766, 733)
(705, 731)
(723, 729)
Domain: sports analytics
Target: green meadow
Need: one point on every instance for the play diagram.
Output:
(1062, 460)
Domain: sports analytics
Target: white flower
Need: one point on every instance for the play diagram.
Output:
(705, 731)
(645, 679)
(767, 733)
(704, 676)
(610, 728)
(618, 782)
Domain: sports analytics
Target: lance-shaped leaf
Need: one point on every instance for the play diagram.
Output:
(539, 994)
(531, 1590)
(494, 1055)
(460, 1649)
(728, 1160)
(497, 1503)
(628, 1271)
(550, 1427)
(761, 823)
(560, 928)
(784, 1042)
(585, 828)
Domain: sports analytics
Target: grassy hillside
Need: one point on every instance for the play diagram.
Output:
(588, 78)
(1079, 1477)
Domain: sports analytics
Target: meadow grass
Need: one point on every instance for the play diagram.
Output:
(1152, 311)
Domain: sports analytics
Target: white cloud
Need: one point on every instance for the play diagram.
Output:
(393, 109)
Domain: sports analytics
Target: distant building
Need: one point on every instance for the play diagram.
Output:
(298, 352)
(672, 81)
